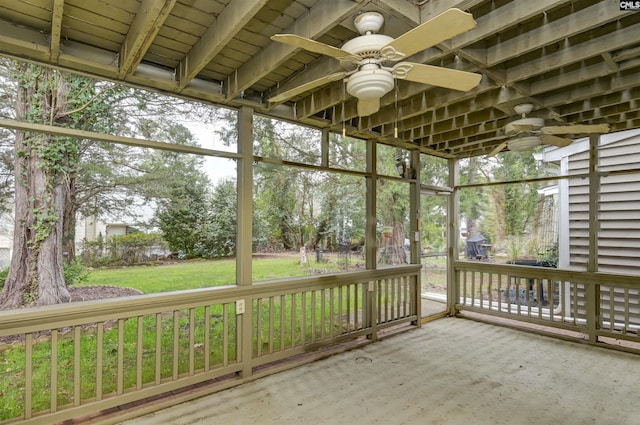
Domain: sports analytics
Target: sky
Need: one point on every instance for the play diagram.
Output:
(215, 167)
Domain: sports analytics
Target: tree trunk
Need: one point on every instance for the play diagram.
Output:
(69, 223)
(41, 188)
(319, 235)
(392, 250)
(35, 273)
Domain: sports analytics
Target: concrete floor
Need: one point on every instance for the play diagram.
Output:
(451, 371)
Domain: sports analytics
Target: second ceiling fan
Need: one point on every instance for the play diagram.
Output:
(526, 133)
(369, 77)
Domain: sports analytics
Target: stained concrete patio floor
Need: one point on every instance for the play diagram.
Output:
(450, 371)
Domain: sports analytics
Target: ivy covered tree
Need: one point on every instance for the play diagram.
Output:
(43, 168)
(51, 180)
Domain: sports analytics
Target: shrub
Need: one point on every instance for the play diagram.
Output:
(75, 272)
(4, 272)
(124, 250)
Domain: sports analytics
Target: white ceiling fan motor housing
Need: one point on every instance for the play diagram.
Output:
(370, 82)
(367, 46)
(534, 123)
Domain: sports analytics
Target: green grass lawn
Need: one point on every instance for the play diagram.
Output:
(201, 273)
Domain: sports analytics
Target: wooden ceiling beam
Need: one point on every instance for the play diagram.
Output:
(612, 114)
(433, 121)
(607, 108)
(625, 92)
(554, 32)
(145, 26)
(322, 67)
(431, 9)
(590, 92)
(502, 19)
(402, 9)
(24, 42)
(228, 23)
(318, 20)
(57, 13)
(510, 97)
(575, 53)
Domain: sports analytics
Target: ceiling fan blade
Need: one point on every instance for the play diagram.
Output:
(314, 46)
(549, 139)
(576, 129)
(281, 97)
(368, 106)
(497, 149)
(446, 25)
(437, 76)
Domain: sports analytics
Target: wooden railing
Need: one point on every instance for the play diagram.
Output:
(602, 307)
(65, 361)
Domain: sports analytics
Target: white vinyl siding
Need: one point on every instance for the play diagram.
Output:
(618, 225)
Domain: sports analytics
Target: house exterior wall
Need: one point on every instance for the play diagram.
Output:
(87, 229)
(618, 209)
(618, 220)
(6, 239)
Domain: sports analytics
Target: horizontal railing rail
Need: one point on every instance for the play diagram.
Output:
(64, 361)
(601, 306)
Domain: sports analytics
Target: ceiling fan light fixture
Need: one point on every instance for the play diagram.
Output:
(370, 83)
(523, 144)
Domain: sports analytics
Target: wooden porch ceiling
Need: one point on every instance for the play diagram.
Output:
(576, 61)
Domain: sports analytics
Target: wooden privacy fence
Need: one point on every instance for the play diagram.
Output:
(64, 361)
(601, 307)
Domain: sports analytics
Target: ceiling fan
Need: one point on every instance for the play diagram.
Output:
(368, 76)
(527, 133)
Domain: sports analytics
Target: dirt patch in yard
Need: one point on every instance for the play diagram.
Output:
(87, 293)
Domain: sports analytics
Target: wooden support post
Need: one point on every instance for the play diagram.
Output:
(593, 291)
(324, 148)
(414, 228)
(244, 241)
(371, 242)
(453, 290)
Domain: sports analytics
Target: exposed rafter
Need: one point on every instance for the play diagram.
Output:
(56, 29)
(313, 24)
(554, 32)
(227, 25)
(145, 26)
